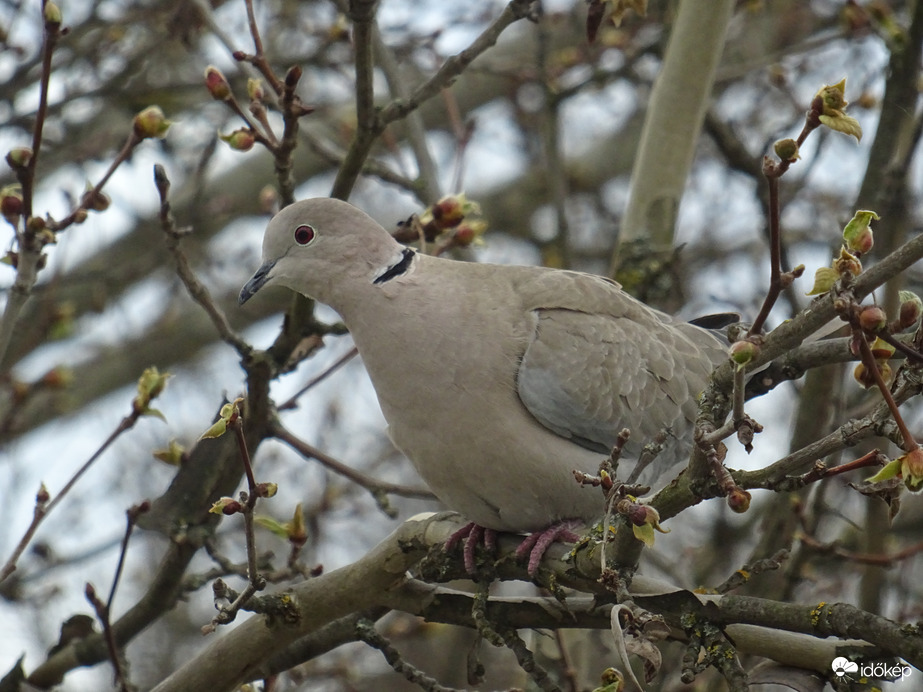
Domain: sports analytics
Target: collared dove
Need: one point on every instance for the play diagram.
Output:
(496, 381)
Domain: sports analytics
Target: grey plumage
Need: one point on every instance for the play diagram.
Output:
(496, 381)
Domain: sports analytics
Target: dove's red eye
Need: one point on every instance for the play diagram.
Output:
(304, 235)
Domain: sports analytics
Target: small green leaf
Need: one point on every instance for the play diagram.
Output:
(824, 278)
(840, 122)
(217, 430)
(273, 525)
(890, 470)
(644, 533)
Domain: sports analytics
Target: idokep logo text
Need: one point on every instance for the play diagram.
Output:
(843, 667)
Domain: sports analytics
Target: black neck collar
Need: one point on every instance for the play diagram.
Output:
(397, 269)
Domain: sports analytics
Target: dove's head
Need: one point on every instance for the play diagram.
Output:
(314, 245)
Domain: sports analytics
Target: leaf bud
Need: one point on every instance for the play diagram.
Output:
(239, 140)
(217, 84)
(11, 203)
(174, 454)
(738, 500)
(911, 309)
(787, 149)
(912, 469)
(52, 14)
(98, 201)
(872, 318)
(19, 157)
(847, 263)
(255, 89)
(742, 352)
(858, 234)
(151, 122)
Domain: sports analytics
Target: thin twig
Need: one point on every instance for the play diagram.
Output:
(292, 402)
(51, 34)
(41, 513)
(196, 289)
(455, 65)
(102, 613)
(30, 248)
(910, 444)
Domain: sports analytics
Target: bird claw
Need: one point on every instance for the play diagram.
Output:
(536, 544)
(472, 534)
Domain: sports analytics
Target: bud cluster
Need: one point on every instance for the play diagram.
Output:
(858, 240)
(450, 217)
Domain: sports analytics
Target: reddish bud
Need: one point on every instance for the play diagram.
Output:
(293, 76)
(232, 507)
(911, 309)
(11, 204)
(881, 349)
(738, 500)
(912, 469)
(226, 505)
(239, 140)
(469, 232)
(217, 84)
(58, 378)
(858, 234)
(872, 318)
(464, 235)
(266, 489)
(42, 496)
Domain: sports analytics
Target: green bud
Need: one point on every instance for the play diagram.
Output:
(255, 89)
(858, 233)
(742, 352)
(787, 149)
(52, 14)
(19, 157)
(151, 122)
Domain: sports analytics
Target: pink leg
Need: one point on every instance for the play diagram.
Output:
(472, 534)
(535, 544)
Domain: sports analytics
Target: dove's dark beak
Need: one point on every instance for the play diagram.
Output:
(256, 282)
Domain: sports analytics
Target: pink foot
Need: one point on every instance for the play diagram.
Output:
(472, 534)
(535, 544)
